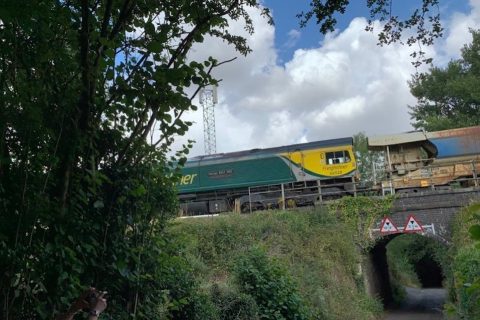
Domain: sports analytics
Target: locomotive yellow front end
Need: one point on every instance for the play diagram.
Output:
(333, 162)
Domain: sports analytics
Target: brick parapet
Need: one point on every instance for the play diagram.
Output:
(434, 209)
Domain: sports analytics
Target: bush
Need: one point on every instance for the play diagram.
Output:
(315, 249)
(270, 285)
(118, 246)
(465, 278)
(467, 270)
(233, 305)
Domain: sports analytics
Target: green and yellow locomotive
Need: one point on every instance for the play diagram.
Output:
(292, 175)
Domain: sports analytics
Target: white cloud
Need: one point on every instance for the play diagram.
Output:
(344, 110)
(293, 36)
(458, 34)
(346, 85)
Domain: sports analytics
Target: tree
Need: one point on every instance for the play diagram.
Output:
(92, 96)
(370, 164)
(449, 97)
(424, 20)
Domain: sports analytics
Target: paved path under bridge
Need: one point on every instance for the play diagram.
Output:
(420, 304)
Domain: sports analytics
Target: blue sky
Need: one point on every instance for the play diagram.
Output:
(319, 87)
(285, 11)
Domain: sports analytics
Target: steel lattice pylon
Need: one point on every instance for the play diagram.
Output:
(208, 100)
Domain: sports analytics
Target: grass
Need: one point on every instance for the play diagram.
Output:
(317, 251)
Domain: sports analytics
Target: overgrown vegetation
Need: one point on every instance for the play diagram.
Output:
(267, 281)
(361, 213)
(410, 257)
(282, 265)
(86, 186)
(465, 252)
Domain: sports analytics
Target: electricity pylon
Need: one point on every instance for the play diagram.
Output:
(208, 100)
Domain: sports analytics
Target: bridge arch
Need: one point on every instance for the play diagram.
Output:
(378, 273)
(433, 209)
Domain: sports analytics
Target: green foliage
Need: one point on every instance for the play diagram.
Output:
(405, 252)
(400, 266)
(369, 163)
(234, 305)
(465, 280)
(93, 94)
(270, 285)
(465, 220)
(361, 214)
(467, 274)
(474, 230)
(314, 248)
(449, 97)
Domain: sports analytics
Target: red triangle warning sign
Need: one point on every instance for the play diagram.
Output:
(412, 225)
(387, 226)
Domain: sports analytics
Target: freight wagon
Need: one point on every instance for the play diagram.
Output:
(292, 175)
(440, 160)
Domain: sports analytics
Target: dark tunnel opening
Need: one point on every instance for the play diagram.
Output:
(429, 272)
(378, 275)
(423, 266)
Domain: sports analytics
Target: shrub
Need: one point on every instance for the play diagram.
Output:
(315, 249)
(233, 305)
(467, 270)
(269, 284)
(465, 278)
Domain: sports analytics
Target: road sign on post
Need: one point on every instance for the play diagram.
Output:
(412, 225)
(387, 226)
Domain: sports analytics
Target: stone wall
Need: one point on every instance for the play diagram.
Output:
(433, 209)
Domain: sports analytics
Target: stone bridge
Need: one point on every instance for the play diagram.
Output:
(433, 210)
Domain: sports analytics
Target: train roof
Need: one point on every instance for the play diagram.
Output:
(377, 142)
(394, 139)
(287, 148)
(417, 138)
(440, 144)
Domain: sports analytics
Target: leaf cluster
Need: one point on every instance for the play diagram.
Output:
(449, 97)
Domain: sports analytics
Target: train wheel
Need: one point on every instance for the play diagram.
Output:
(245, 208)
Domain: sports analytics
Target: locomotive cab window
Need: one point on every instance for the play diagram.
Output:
(337, 157)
